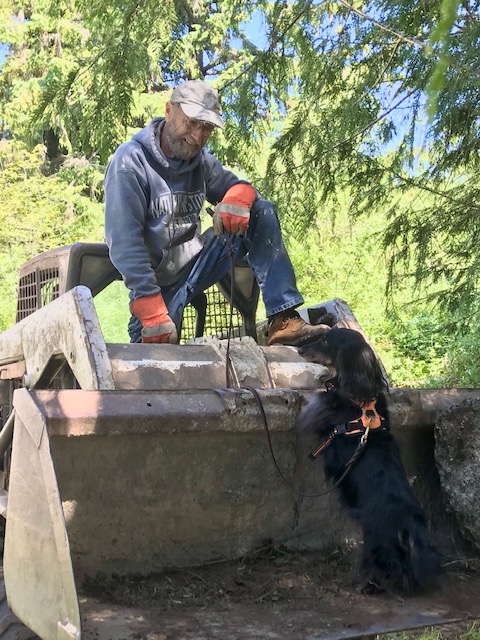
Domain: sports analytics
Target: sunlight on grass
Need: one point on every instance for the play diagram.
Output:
(113, 313)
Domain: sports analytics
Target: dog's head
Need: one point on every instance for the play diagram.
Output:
(355, 370)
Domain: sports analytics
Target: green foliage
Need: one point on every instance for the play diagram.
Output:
(415, 350)
(441, 35)
(85, 176)
(344, 260)
(463, 368)
(36, 213)
(464, 353)
(437, 240)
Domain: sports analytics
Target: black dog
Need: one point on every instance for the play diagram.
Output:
(397, 555)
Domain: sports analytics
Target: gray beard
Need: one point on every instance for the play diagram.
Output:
(175, 144)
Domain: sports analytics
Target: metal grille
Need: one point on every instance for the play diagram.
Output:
(217, 320)
(36, 289)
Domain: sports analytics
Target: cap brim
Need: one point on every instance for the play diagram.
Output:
(198, 113)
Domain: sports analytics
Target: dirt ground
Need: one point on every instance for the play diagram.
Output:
(275, 594)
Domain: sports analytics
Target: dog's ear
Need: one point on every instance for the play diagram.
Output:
(359, 372)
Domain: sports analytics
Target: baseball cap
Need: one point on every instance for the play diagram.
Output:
(198, 101)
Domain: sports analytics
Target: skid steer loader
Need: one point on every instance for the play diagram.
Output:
(143, 453)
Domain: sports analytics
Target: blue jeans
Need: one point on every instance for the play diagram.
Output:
(266, 254)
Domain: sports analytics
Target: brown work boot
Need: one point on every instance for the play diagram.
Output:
(289, 328)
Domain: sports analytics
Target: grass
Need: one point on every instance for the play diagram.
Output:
(458, 631)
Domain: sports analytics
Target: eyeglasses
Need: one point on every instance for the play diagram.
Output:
(196, 125)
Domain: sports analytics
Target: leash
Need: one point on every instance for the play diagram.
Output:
(358, 452)
(361, 445)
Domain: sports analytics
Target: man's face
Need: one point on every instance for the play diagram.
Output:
(184, 137)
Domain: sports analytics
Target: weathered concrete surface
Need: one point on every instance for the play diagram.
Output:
(171, 479)
(457, 454)
(203, 365)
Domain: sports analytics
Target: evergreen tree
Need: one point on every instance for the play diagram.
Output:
(332, 88)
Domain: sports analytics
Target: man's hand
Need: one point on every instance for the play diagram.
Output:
(153, 314)
(233, 212)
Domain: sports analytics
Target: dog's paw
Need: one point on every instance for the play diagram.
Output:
(320, 315)
(329, 319)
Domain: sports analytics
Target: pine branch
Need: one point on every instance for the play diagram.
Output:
(383, 27)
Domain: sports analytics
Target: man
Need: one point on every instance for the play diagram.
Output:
(155, 186)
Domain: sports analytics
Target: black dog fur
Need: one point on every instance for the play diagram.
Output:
(397, 555)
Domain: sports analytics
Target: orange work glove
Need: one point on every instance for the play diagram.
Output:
(233, 212)
(153, 314)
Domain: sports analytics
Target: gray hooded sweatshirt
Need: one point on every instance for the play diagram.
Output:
(152, 208)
